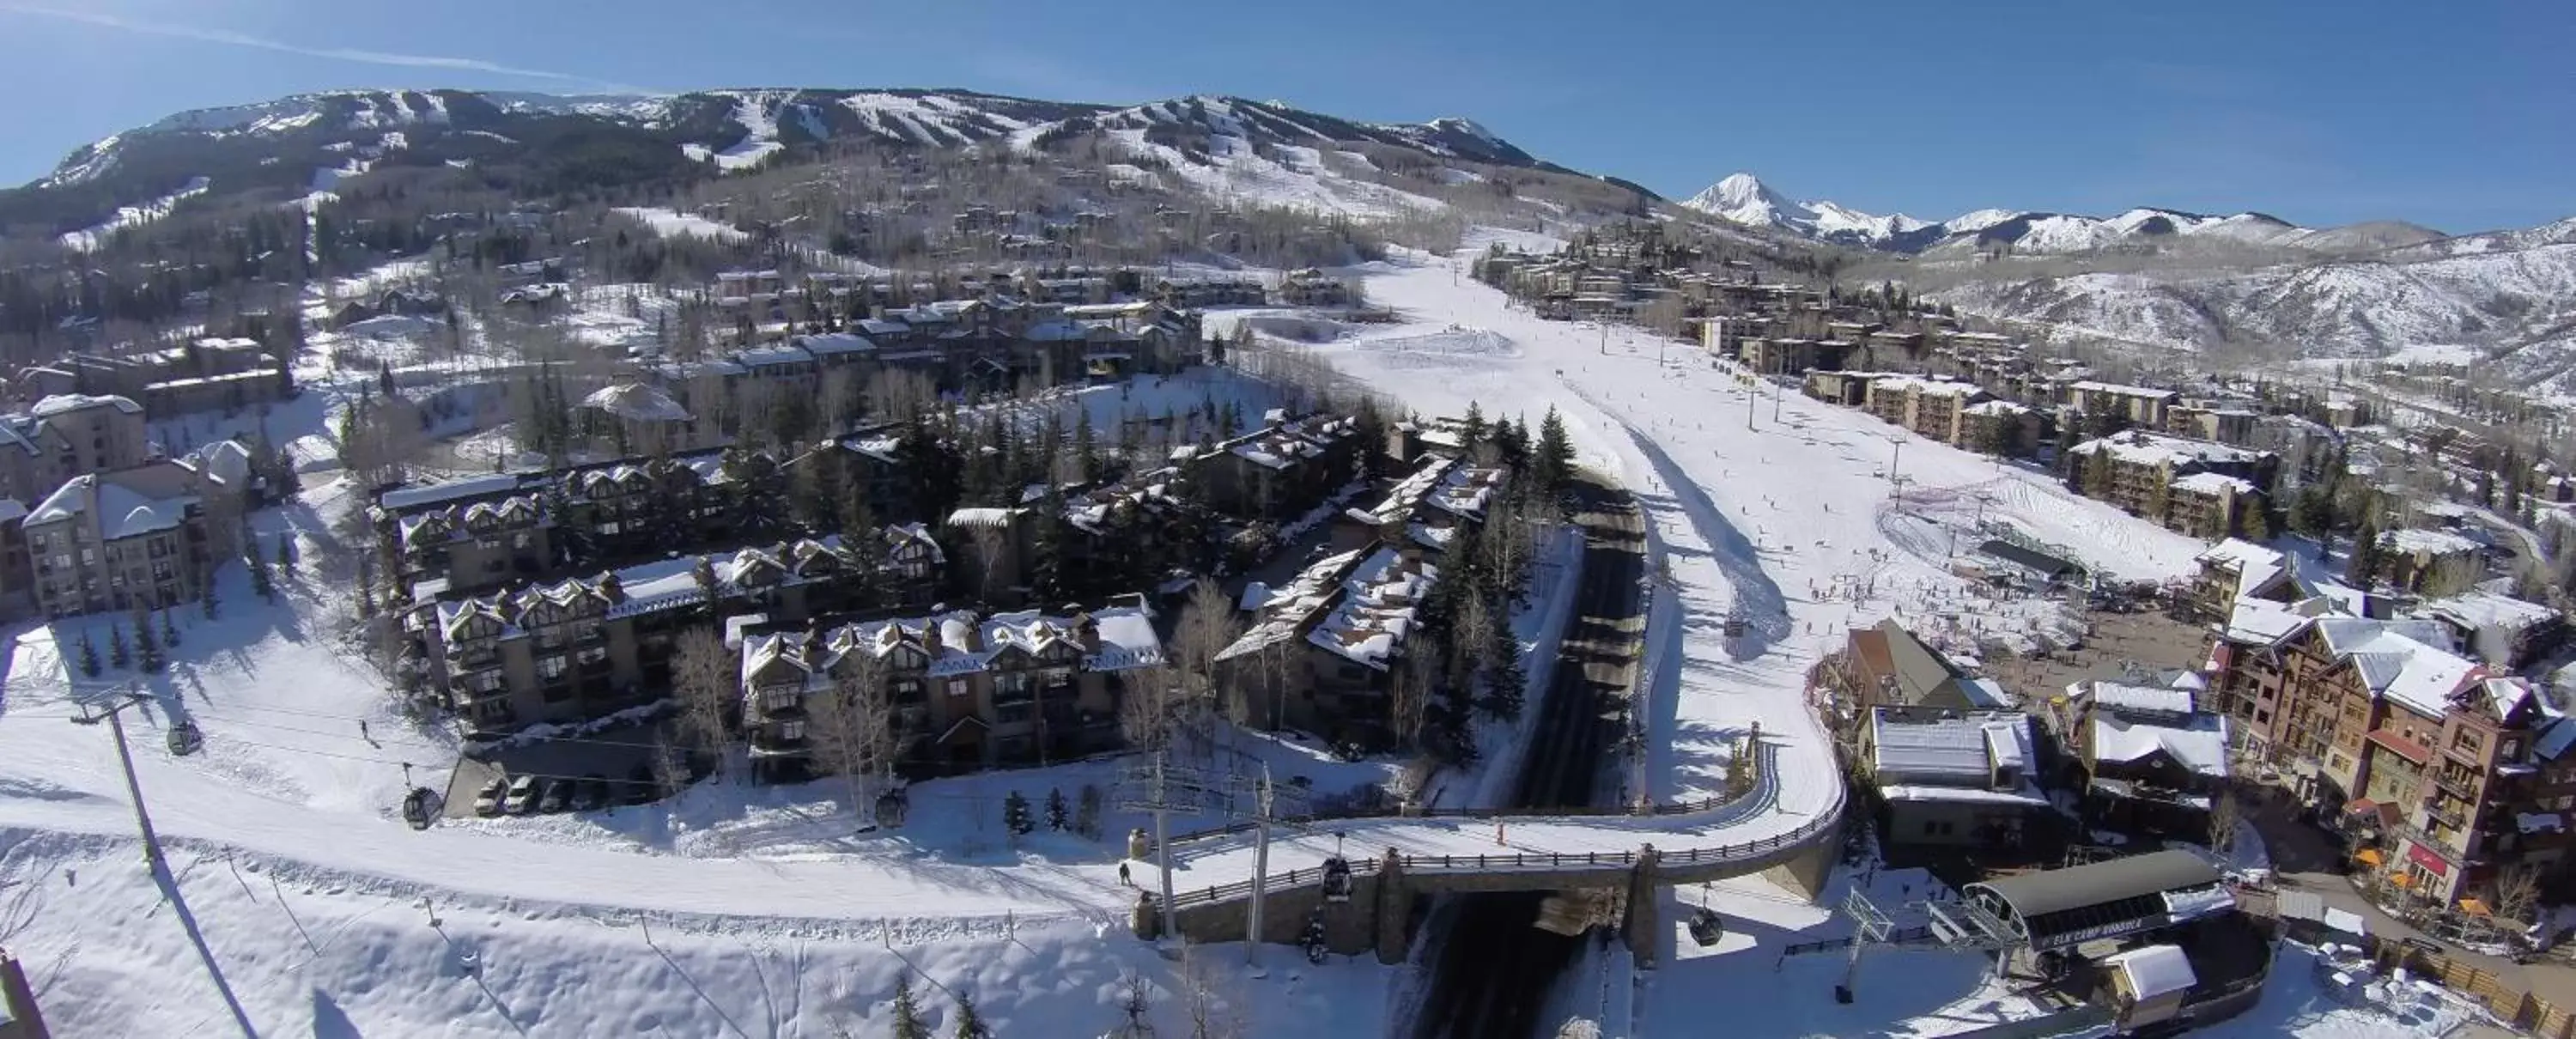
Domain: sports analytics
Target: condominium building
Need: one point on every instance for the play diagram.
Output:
(148, 536)
(966, 691)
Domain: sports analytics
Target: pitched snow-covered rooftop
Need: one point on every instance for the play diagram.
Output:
(2153, 970)
(2199, 744)
(636, 402)
(1445, 485)
(2139, 447)
(1379, 605)
(2256, 566)
(2488, 611)
(62, 403)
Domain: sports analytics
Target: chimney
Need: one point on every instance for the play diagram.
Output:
(1086, 630)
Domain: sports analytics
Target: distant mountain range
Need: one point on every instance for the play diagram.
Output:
(1742, 198)
(306, 143)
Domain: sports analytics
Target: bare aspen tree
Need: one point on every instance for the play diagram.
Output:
(1145, 707)
(2516, 892)
(703, 673)
(1417, 671)
(1206, 628)
(850, 726)
(2225, 813)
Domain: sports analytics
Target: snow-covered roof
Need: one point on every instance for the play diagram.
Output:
(449, 490)
(2120, 696)
(2213, 484)
(2090, 386)
(2199, 744)
(62, 403)
(119, 509)
(1951, 750)
(1998, 408)
(1445, 485)
(2401, 660)
(1379, 605)
(225, 461)
(2256, 565)
(983, 518)
(2488, 611)
(2428, 542)
(2139, 447)
(2153, 970)
(636, 402)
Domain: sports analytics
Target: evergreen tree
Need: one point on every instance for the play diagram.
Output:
(169, 631)
(1472, 429)
(1048, 546)
(2362, 566)
(1057, 810)
(1015, 815)
(2097, 472)
(147, 646)
(1086, 451)
(1552, 463)
(88, 657)
(907, 1014)
(2257, 523)
(970, 1025)
(117, 656)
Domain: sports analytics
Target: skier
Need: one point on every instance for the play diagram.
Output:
(1122, 874)
(362, 731)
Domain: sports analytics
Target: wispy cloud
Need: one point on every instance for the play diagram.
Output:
(231, 38)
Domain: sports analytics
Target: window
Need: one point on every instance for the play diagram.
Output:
(957, 687)
(484, 682)
(2262, 717)
(2467, 739)
(522, 540)
(593, 655)
(791, 731)
(550, 667)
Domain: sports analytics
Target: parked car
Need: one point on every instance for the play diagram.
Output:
(487, 801)
(522, 798)
(558, 796)
(590, 793)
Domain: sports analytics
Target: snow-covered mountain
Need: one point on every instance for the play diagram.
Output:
(1744, 199)
(1230, 147)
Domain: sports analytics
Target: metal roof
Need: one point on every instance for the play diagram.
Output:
(2092, 884)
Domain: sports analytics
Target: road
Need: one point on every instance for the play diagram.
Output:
(1494, 969)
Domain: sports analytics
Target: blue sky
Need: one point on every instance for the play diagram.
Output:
(2458, 115)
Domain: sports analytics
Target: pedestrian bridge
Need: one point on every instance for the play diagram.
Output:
(1488, 850)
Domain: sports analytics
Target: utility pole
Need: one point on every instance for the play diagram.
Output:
(1260, 873)
(1897, 441)
(1605, 337)
(1163, 846)
(125, 757)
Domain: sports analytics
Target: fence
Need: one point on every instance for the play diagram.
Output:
(1613, 861)
(2520, 1010)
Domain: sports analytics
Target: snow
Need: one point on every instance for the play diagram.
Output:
(2153, 970)
(134, 216)
(2122, 696)
(672, 223)
(2200, 745)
